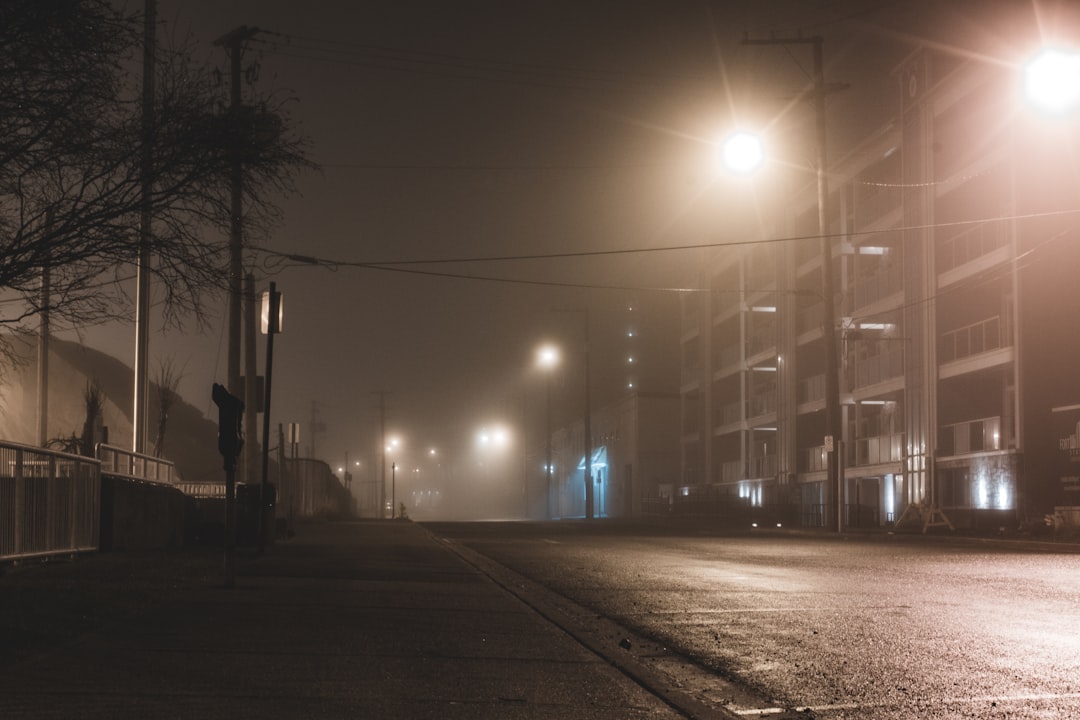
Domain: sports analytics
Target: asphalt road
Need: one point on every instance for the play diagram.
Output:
(823, 627)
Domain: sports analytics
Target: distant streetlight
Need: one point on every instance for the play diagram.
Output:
(547, 358)
(393, 444)
(1052, 81)
(742, 153)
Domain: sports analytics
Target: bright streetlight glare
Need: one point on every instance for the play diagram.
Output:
(498, 437)
(547, 356)
(1052, 81)
(743, 153)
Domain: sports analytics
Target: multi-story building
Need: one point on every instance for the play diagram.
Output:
(634, 423)
(953, 242)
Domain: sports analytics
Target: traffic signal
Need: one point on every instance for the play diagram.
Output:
(230, 430)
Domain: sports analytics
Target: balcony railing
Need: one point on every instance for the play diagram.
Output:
(763, 466)
(971, 244)
(727, 357)
(879, 368)
(812, 389)
(810, 318)
(761, 340)
(971, 437)
(813, 459)
(878, 286)
(763, 403)
(879, 449)
(731, 471)
(990, 334)
(731, 413)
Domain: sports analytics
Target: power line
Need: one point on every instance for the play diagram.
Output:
(387, 264)
(476, 68)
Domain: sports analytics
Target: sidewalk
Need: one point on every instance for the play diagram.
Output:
(348, 620)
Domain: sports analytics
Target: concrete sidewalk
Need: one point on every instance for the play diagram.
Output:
(348, 620)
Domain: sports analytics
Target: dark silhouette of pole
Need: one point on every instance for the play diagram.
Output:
(547, 443)
(589, 489)
(273, 327)
(234, 42)
(142, 270)
(833, 427)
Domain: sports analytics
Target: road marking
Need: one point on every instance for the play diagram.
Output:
(1023, 697)
(550, 541)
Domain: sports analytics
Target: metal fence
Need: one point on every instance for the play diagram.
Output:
(50, 502)
(125, 463)
(307, 489)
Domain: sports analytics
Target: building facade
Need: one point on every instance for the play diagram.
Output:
(635, 458)
(952, 241)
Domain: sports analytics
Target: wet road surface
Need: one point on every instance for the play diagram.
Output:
(886, 627)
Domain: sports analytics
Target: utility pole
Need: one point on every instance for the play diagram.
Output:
(234, 43)
(380, 511)
(43, 360)
(251, 384)
(587, 419)
(834, 493)
(590, 500)
(142, 290)
(314, 429)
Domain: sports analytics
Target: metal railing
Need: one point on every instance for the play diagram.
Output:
(876, 287)
(972, 436)
(50, 502)
(983, 336)
(879, 449)
(129, 464)
(971, 244)
(812, 388)
(879, 368)
(813, 459)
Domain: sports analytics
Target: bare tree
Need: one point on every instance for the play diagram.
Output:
(84, 443)
(168, 383)
(71, 174)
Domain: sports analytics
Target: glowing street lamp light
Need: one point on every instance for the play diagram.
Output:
(742, 153)
(1052, 81)
(547, 357)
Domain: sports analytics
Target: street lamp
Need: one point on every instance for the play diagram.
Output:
(547, 358)
(742, 149)
(272, 316)
(587, 420)
(742, 153)
(1052, 81)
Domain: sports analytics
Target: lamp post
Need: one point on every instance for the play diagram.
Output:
(1052, 81)
(740, 148)
(587, 414)
(390, 447)
(548, 358)
(271, 325)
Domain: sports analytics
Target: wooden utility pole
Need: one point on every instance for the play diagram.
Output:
(249, 462)
(834, 491)
(234, 43)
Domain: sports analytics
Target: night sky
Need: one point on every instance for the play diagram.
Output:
(454, 130)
